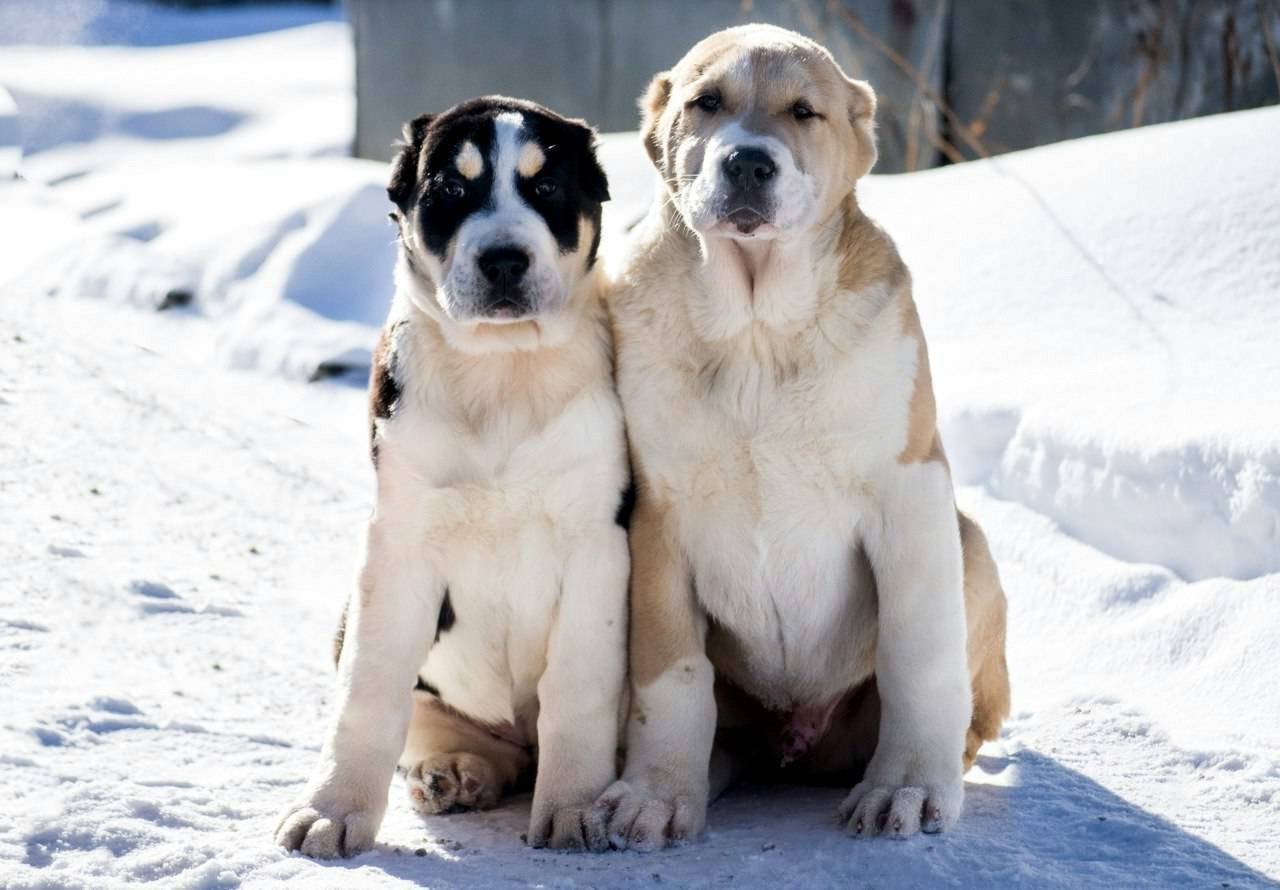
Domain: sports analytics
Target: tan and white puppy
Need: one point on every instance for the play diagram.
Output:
(488, 629)
(800, 572)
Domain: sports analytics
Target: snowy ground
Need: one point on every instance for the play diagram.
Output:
(180, 507)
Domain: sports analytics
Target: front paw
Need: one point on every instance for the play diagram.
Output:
(579, 826)
(453, 783)
(899, 802)
(325, 827)
(645, 818)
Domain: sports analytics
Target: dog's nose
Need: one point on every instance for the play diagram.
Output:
(749, 168)
(504, 265)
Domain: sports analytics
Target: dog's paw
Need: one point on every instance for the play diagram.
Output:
(899, 803)
(453, 783)
(572, 827)
(642, 818)
(327, 829)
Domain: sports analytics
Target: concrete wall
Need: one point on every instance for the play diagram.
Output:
(1017, 72)
(593, 58)
(1035, 71)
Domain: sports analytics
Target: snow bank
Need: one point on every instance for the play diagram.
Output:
(212, 170)
(1103, 318)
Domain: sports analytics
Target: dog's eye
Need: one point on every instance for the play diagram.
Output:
(708, 102)
(802, 111)
(545, 188)
(453, 189)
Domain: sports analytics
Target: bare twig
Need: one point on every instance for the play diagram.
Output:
(933, 42)
(952, 153)
(905, 66)
(991, 100)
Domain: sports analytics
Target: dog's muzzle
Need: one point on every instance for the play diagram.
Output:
(749, 177)
(504, 270)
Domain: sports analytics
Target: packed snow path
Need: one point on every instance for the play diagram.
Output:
(181, 512)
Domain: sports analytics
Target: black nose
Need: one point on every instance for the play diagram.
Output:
(504, 265)
(749, 168)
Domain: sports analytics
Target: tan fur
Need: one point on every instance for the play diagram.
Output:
(438, 733)
(670, 124)
(985, 610)
(469, 162)
(664, 628)
(923, 441)
(722, 341)
(531, 160)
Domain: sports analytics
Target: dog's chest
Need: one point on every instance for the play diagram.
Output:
(498, 524)
(777, 565)
(770, 505)
(503, 593)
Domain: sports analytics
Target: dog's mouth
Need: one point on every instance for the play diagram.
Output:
(745, 219)
(746, 222)
(506, 309)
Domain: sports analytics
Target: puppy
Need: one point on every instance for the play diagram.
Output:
(490, 616)
(801, 578)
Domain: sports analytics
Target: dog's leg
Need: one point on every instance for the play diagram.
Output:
(856, 725)
(579, 695)
(390, 625)
(662, 795)
(985, 609)
(452, 764)
(915, 778)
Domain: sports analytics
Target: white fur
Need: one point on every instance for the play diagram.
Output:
(776, 462)
(509, 504)
(793, 196)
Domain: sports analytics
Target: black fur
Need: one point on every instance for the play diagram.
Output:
(447, 618)
(571, 163)
(384, 388)
(404, 166)
(627, 506)
(431, 145)
(442, 215)
(446, 621)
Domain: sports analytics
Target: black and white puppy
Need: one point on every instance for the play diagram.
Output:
(488, 631)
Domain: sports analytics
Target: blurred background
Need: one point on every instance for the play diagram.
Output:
(957, 79)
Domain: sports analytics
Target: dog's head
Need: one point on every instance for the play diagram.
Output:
(758, 133)
(498, 202)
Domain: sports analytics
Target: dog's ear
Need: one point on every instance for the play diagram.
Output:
(591, 176)
(862, 114)
(652, 104)
(404, 166)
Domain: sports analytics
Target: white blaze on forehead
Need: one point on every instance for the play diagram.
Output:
(531, 159)
(508, 154)
(470, 162)
(507, 127)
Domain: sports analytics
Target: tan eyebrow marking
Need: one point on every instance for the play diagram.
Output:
(531, 159)
(469, 162)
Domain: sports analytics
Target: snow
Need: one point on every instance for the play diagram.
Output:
(181, 508)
